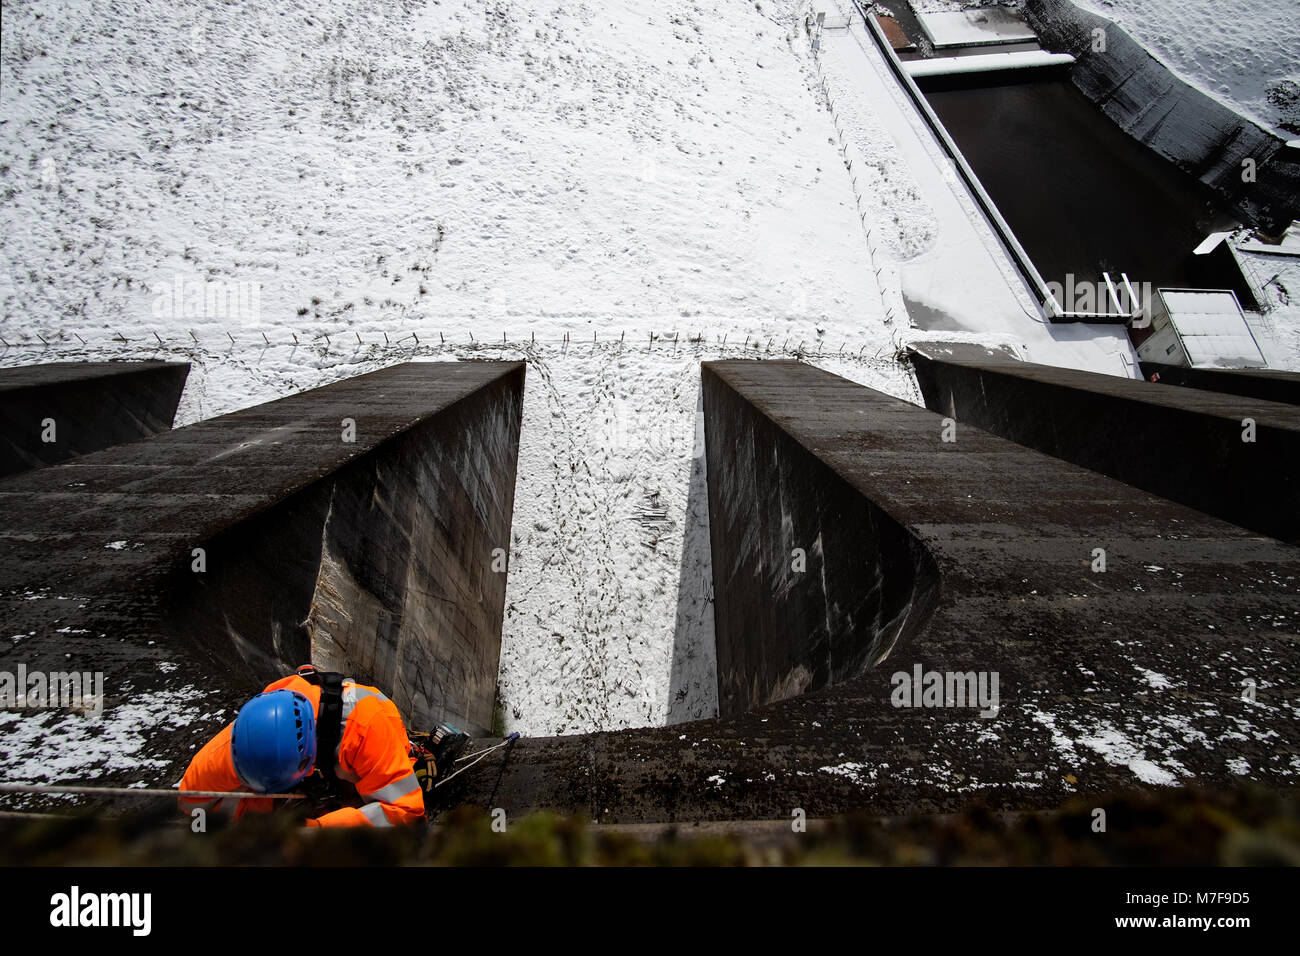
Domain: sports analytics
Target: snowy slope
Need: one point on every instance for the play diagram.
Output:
(1243, 53)
(592, 187)
(448, 165)
(460, 173)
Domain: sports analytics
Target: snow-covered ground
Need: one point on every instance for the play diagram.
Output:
(592, 187)
(1243, 53)
(462, 173)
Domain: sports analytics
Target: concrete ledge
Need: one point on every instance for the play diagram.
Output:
(813, 583)
(93, 405)
(375, 556)
(1270, 385)
(1129, 677)
(1184, 444)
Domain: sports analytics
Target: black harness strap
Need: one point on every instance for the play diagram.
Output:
(329, 722)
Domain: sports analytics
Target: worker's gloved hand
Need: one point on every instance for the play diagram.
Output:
(311, 823)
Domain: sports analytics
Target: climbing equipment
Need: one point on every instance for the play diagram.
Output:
(329, 725)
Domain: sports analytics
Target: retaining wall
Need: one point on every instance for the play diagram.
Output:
(88, 406)
(376, 556)
(1130, 677)
(1270, 385)
(813, 583)
(1183, 444)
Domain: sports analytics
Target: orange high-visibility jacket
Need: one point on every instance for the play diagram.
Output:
(373, 754)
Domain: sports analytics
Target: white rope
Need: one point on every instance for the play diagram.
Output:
(141, 792)
(484, 751)
(480, 756)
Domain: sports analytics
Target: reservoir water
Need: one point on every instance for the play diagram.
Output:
(1081, 195)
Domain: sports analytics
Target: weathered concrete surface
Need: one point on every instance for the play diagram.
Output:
(1183, 444)
(93, 405)
(1107, 680)
(1178, 121)
(379, 552)
(1271, 385)
(813, 583)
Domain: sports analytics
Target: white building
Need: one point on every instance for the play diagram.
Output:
(1200, 327)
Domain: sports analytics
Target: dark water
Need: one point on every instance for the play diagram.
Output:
(1081, 196)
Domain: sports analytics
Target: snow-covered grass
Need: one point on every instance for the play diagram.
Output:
(1241, 53)
(450, 166)
(464, 172)
(587, 186)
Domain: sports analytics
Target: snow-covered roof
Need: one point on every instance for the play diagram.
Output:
(974, 27)
(1212, 327)
(1288, 246)
(985, 63)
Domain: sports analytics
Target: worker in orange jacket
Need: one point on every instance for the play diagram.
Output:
(281, 735)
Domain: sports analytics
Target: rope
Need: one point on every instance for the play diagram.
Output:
(477, 757)
(476, 753)
(141, 792)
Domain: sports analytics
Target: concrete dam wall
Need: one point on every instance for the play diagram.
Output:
(973, 561)
(393, 569)
(51, 413)
(1271, 385)
(1125, 677)
(813, 583)
(215, 558)
(1189, 445)
(1178, 121)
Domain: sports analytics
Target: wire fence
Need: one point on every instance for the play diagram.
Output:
(859, 199)
(413, 342)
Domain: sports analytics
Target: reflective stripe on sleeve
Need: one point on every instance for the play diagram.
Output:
(352, 693)
(227, 808)
(374, 813)
(395, 790)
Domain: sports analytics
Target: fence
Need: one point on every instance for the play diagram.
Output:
(412, 342)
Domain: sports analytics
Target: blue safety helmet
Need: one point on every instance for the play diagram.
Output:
(273, 743)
